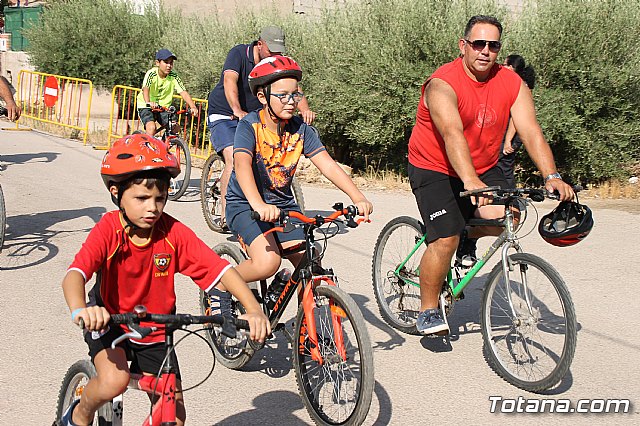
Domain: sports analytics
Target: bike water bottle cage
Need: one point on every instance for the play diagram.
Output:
(568, 224)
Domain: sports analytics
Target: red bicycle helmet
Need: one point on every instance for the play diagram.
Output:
(568, 224)
(271, 69)
(134, 154)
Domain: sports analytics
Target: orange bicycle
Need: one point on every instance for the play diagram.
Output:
(332, 354)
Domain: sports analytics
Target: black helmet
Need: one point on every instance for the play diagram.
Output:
(568, 224)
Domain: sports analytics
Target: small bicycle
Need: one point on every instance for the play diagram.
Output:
(211, 197)
(332, 354)
(164, 410)
(177, 146)
(527, 316)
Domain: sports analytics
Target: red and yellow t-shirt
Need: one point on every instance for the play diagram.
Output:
(133, 274)
(484, 109)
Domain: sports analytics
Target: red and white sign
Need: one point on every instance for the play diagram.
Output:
(50, 91)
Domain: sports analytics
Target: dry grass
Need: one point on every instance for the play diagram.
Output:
(614, 190)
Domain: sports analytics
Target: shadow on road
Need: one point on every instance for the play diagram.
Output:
(275, 407)
(12, 159)
(28, 237)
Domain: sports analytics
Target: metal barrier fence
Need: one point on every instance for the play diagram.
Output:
(124, 120)
(55, 99)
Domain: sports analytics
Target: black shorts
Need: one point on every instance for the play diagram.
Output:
(444, 213)
(147, 115)
(144, 358)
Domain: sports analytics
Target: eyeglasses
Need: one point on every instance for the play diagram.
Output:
(285, 98)
(494, 45)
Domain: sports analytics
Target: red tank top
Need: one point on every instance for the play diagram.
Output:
(484, 109)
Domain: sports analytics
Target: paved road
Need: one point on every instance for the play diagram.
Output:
(54, 196)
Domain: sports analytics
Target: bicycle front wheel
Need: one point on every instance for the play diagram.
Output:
(396, 273)
(235, 352)
(528, 323)
(180, 183)
(73, 385)
(210, 196)
(338, 390)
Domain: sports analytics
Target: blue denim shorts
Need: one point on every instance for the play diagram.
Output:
(221, 133)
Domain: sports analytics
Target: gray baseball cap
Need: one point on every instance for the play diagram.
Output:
(274, 37)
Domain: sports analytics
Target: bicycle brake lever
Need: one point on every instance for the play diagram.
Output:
(136, 332)
(351, 223)
(287, 225)
(536, 195)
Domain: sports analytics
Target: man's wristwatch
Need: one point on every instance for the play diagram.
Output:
(555, 175)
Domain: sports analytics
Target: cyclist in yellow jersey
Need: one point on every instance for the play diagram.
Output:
(158, 86)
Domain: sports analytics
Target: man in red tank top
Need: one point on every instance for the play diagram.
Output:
(462, 116)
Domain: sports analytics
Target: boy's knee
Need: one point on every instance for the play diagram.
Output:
(114, 384)
(268, 264)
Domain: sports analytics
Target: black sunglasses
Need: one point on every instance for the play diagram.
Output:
(494, 46)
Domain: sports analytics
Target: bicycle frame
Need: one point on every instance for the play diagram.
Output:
(163, 411)
(507, 239)
(306, 273)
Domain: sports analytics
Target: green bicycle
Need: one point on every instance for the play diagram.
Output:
(527, 317)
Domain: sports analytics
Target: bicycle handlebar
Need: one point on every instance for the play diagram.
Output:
(535, 194)
(348, 212)
(173, 321)
(4, 111)
(171, 109)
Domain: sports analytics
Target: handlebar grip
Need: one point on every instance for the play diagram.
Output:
(255, 215)
(243, 324)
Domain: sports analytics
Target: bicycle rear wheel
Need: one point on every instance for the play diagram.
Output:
(210, 196)
(397, 291)
(179, 184)
(528, 323)
(3, 218)
(233, 353)
(338, 391)
(73, 385)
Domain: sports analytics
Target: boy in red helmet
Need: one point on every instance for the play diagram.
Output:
(267, 146)
(136, 251)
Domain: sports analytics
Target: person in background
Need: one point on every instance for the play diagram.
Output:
(231, 99)
(512, 141)
(13, 111)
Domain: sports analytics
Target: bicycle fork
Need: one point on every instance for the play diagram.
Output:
(308, 306)
(507, 267)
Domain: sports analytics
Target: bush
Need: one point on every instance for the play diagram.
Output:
(364, 66)
(588, 92)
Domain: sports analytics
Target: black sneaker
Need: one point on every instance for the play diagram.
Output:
(466, 253)
(220, 303)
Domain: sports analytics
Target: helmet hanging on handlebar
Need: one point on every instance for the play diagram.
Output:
(568, 224)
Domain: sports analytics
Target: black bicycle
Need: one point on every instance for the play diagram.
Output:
(169, 134)
(211, 196)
